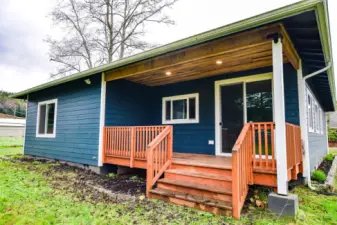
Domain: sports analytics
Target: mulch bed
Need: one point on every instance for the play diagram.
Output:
(325, 166)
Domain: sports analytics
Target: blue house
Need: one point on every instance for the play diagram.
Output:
(206, 116)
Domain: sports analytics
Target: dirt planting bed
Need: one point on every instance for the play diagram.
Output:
(325, 166)
(81, 181)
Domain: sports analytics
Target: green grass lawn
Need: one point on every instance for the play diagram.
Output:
(40, 193)
(9, 145)
(10, 150)
(11, 142)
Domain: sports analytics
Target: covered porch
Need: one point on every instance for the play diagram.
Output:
(190, 117)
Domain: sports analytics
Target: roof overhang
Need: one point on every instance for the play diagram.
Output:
(319, 6)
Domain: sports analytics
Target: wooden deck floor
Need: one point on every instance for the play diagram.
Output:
(213, 161)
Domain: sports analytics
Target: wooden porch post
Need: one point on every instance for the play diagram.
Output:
(303, 120)
(279, 117)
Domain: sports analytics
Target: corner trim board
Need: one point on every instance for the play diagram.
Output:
(102, 120)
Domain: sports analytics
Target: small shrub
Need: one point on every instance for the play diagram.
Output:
(329, 157)
(318, 175)
(111, 175)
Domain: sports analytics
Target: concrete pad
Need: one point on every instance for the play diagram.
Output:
(283, 205)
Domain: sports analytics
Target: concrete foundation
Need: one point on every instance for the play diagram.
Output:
(283, 205)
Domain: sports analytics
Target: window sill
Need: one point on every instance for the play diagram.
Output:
(180, 122)
(45, 135)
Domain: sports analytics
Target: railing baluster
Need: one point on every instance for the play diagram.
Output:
(260, 145)
(266, 149)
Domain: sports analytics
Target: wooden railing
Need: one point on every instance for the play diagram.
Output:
(242, 170)
(129, 141)
(294, 145)
(159, 157)
(263, 138)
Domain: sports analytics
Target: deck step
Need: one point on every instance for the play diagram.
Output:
(201, 164)
(199, 177)
(201, 203)
(199, 174)
(203, 187)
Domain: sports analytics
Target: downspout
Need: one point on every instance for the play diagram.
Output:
(307, 158)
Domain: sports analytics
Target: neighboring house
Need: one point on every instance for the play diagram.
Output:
(213, 112)
(12, 127)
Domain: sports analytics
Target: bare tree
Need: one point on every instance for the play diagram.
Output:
(100, 31)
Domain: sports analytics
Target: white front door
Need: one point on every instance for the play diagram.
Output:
(237, 101)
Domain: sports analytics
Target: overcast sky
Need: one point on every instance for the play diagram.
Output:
(24, 61)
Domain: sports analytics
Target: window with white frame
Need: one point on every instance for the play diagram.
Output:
(310, 113)
(315, 115)
(46, 118)
(180, 109)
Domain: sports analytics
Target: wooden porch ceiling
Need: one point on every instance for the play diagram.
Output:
(243, 51)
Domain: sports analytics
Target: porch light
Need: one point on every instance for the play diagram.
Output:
(218, 62)
(168, 73)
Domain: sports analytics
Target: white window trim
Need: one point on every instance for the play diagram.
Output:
(317, 114)
(53, 135)
(181, 97)
(310, 111)
(217, 87)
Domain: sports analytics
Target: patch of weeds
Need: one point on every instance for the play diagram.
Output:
(111, 175)
(318, 175)
(134, 178)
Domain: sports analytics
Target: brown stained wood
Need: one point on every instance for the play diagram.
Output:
(204, 187)
(198, 192)
(269, 180)
(243, 51)
(193, 53)
(252, 53)
(199, 178)
(218, 208)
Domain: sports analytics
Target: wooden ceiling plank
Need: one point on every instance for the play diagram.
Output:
(255, 53)
(236, 68)
(201, 51)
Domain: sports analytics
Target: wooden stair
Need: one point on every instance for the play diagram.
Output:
(202, 186)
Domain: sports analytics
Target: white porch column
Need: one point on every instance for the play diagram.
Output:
(303, 120)
(279, 118)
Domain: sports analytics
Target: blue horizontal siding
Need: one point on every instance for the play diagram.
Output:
(77, 122)
(128, 103)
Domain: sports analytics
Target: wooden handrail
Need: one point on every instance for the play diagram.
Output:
(159, 157)
(242, 169)
(241, 137)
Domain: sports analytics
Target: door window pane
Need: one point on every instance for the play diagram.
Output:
(259, 101)
(231, 115)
